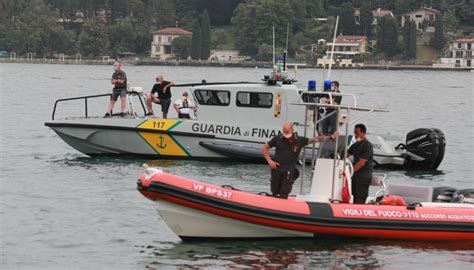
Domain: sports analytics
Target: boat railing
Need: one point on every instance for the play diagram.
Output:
(338, 111)
(87, 98)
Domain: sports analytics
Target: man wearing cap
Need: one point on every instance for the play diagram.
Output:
(163, 89)
(184, 106)
(288, 146)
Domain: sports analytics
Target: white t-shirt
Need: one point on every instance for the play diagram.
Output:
(182, 109)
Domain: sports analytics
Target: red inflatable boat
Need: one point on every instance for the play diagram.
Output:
(194, 209)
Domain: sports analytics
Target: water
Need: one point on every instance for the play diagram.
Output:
(61, 209)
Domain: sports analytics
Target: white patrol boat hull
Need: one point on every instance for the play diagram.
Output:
(233, 122)
(181, 139)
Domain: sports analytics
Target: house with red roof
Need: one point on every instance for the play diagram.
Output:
(161, 42)
(424, 18)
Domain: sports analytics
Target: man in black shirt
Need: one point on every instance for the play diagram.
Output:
(329, 124)
(119, 80)
(363, 153)
(163, 89)
(288, 146)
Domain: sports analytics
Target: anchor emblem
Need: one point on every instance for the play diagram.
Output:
(161, 145)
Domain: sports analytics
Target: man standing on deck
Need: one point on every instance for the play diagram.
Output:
(363, 153)
(163, 89)
(329, 123)
(288, 146)
(119, 80)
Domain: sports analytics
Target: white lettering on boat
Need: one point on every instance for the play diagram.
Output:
(216, 129)
(400, 214)
(234, 131)
(217, 192)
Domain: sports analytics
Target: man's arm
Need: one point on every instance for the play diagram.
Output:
(266, 154)
(176, 106)
(168, 86)
(359, 164)
(323, 138)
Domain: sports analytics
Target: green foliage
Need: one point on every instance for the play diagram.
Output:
(388, 36)
(438, 38)
(346, 20)
(181, 47)
(121, 37)
(412, 48)
(366, 19)
(450, 22)
(265, 52)
(250, 35)
(93, 41)
(205, 46)
(196, 40)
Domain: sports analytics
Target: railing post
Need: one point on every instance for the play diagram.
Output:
(85, 101)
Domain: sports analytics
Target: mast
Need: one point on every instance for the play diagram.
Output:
(332, 49)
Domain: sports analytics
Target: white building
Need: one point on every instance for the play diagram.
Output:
(161, 42)
(227, 56)
(459, 54)
(348, 46)
(423, 15)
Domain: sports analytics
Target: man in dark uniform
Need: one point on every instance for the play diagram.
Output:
(288, 146)
(119, 80)
(162, 88)
(329, 123)
(363, 153)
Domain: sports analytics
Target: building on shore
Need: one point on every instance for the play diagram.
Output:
(377, 14)
(161, 42)
(423, 17)
(459, 54)
(345, 48)
(227, 56)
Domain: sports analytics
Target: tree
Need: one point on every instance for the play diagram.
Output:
(366, 19)
(181, 47)
(93, 40)
(409, 39)
(121, 37)
(438, 38)
(205, 46)
(196, 40)
(347, 20)
(390, 38)
(450, 22)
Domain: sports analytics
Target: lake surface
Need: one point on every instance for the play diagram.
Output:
(61, 209)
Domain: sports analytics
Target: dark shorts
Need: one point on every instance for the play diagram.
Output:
(184, 115)
(165, 105)
(118, 92)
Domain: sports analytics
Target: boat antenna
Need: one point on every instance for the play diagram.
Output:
(273, 59)
(332, 49)
(286, 50)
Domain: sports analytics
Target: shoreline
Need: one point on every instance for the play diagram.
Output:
(253, 64)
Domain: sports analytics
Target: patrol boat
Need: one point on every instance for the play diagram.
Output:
(232, 122)
(197, 210)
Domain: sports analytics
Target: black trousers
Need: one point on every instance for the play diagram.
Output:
(282, 183)
(184, 115)
(360, 188)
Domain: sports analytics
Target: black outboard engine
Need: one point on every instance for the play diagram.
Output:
(443, 194)
(425, 149)
(463, 196)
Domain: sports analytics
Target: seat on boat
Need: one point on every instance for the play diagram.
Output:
(412, 194)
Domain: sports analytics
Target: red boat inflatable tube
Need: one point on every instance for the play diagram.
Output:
(391, 219)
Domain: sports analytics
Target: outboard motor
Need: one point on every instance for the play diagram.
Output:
(463, 196)
(443, 194)
(424, 149)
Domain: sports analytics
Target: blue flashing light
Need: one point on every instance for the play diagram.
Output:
(327, 85)
(280, 58)
(311, 85)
